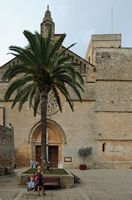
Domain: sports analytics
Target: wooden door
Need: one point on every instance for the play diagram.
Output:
(38, 154)
(53, 156)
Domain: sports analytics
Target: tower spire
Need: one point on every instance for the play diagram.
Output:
(47, 15)
(47, 23)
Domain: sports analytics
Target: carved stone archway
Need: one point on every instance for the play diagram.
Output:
(55, 139)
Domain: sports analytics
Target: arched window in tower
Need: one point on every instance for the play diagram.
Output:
(89, 58)
(84, 70)
(103, 147)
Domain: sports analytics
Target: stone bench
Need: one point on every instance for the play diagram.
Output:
(52, 181)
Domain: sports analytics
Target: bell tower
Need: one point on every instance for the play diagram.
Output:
(47, 23)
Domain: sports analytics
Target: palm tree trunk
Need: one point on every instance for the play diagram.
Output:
(43, 100)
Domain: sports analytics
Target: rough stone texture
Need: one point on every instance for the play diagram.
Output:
(113, 64)
(113, 96)
(102, 120)
(6, 150)
(102, 40)
(113, 107)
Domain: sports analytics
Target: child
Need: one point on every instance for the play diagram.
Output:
(30, 184)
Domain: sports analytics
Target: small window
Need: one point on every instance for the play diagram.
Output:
(103, 147)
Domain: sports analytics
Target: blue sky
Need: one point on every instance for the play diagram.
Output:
(79, 19)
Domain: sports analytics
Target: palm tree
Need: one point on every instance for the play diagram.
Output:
(44, 67)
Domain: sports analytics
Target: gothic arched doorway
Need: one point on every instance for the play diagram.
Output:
(55, 140)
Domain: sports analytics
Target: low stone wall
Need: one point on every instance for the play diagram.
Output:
(6, 150)
(66, 181)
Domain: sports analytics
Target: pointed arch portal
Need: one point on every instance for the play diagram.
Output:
(55, 140)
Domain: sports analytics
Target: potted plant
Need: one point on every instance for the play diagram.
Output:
(83, 153)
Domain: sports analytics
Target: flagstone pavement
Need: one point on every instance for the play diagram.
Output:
(96, 184)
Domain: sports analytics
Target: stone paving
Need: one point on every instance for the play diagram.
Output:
(103, 184)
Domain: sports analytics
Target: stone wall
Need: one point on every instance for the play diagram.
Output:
(102, 40)
(113, 64)
(102, 120)
(113, 107)
(6, 150)
(114, 153)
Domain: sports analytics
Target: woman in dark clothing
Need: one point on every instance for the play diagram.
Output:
(39, 181)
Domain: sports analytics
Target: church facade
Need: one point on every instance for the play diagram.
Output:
(102, 121)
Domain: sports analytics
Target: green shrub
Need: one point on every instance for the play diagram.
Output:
(84, 152)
